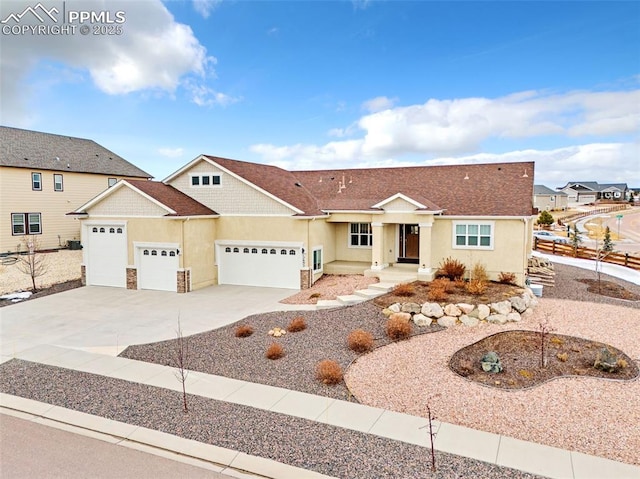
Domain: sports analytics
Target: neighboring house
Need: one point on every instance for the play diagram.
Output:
(43, 176)
(231, 222)
(585, 192)
(546, 199)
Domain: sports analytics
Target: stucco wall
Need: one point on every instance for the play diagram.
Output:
(16, 196)
(231, 197)
(199, 251)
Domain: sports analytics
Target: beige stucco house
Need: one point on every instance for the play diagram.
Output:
(43, 176)
(222, 221)
(546, 199)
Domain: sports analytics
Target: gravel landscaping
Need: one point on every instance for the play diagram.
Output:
(306, 444)
(61, 266)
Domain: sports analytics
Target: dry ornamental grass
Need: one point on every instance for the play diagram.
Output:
(360, 341)
(275, 351)
(398, 328)
(329, 372)
(296, 325)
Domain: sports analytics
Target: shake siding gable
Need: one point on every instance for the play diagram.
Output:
(231, 197)
(399, 205)
(126, 202)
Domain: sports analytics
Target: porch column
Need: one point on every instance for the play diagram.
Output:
(425, 271)
(377, 248)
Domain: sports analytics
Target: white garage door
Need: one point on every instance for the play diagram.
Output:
(106, 247)
(260, 265)
(157, 268)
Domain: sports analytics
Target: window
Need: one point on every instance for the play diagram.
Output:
(112, 230)
(195, 181)
(360, 235)
(94, 229)
(164, 253)
(101, 230)
(154, 252)
(146, 252)
(111, 182)
(272, 251)
(36, 181)
(292, 252)
(317, 260)
(57, 182)
(473, 235)
(283, 251)
(254, 250)
(236, 250)
(227, 250)
(245, 250)
(215, 179)
(172, 253)
(119, 230)
(264, 250)
(26, 224)
(206, 180)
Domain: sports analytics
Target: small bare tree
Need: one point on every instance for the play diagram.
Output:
(432, 434)
(602, 251)
(182, 360)
(34, 263)
(544, 329)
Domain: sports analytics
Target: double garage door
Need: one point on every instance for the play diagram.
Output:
(106, 246)
(258, 264)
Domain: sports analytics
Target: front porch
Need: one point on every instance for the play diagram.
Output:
(395, 273)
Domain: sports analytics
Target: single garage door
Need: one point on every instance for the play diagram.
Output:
(107, 255)
(260, 265)
(158, 268)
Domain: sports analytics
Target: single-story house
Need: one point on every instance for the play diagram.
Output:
(223, 221)
(43, 176)
(585, 192)
(546, 199)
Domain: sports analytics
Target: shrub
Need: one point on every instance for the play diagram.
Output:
(545, 218)
(525, 373)
(398, 328)
(275, 351)
(476, 287)
(460, 283)
(621, 363)
(360, 341)
(297, 324)
(436, 293)
(404, 289)
(444, 283)
(451, 268)
(244, 331)
(562, 357)
(479, 272)
(507, 278)
(329, 372)
(314, 295)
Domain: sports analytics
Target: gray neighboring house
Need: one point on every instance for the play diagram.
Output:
(546, 199)
(44, 176)
(585, 192)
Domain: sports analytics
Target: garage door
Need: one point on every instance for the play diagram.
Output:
(260, 265)
(106, 249)
(158, 268)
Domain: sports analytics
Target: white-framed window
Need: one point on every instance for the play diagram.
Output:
(36, 181)
(26, 224)
(111, 182)
(317, 259)
(360, 235)
(57, 182)
(205, 180)
(473, 234)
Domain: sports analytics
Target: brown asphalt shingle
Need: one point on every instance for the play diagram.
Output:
(182, 204)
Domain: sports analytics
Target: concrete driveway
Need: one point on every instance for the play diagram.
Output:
(107, 320)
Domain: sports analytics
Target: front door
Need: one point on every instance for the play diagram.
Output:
(409, 243)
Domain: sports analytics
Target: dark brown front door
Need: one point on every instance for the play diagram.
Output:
(409, 244)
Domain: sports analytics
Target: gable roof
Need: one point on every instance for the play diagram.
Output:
(174, 201)
(594, 186)
(45, 151)
(544, 190)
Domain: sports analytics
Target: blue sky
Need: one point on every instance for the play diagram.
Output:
(339, 84)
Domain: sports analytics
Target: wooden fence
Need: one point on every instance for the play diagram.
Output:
(595, 211)
(551, 247)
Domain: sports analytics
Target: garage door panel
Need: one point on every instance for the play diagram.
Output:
(157, 269)
(107, 256)
(259, 265)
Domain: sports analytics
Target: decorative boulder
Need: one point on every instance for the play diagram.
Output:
(514, 317)
(452, 310)
(465, 308)
(503, 307)
(405, 316)
(447, 321)
(497, 318)
(421, 320)
(469, 320)
(387, 312)
(483, 311)
(606, 361)
(491, 362)
(518, 303)
(410, 308)
(432, 310)
(395, 307)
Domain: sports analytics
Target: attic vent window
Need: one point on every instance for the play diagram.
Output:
(205, 180)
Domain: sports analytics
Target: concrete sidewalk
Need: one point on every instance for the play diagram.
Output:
(617, 271)
(492, 448)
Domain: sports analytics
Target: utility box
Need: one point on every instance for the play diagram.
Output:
(74, 244)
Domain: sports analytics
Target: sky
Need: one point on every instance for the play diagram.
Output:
(334, 84)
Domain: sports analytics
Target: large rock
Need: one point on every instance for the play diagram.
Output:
(514, 317)
(465, 307)
(452, 310)
(404, 316)
(491, 362)
(447, 321)
(606, 361)
(387, 312)
(497, 318)
(421, 320)
(432, 310)
(503, 307)
(410, 308)
(483, 311)
(395, 307)
(518, 303)
(469, 320)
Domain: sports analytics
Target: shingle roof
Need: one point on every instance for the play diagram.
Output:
(45, 151)
(500, 189)
(544, 190)
(181, 203)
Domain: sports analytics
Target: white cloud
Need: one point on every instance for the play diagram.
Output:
(202, 95)
(378, 103)
(171, 152)
(153, 52)
(273, 31)
(205, 7)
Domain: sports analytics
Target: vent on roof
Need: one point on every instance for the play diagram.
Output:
(68, 165)
(298, 184)
(57, 158)
(26, 159)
